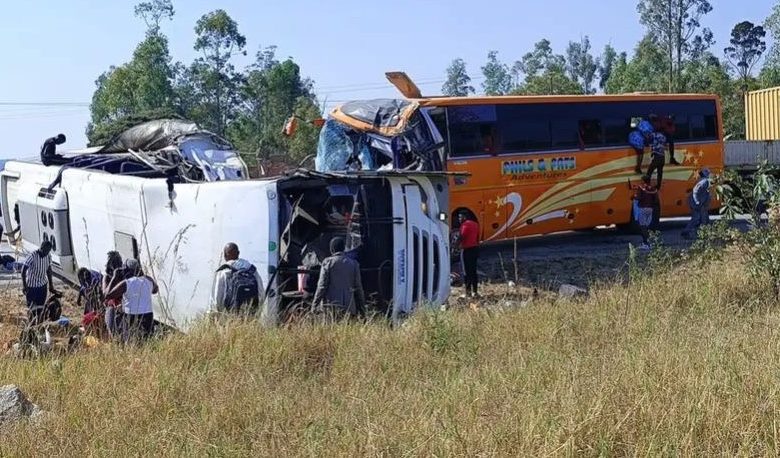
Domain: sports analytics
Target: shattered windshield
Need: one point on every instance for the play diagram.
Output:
(340, 149)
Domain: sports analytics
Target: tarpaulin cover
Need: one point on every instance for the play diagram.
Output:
(150, 136)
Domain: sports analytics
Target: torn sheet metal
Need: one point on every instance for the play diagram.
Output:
(381, 134)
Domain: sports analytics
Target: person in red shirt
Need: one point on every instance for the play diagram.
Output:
(469, 243)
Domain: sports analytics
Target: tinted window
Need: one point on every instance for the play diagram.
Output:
(564, 133)
(522, 129)
(697, 126)
(590, 132)
(616, 130)
(519, 128)
(682, 128)
(472, 130)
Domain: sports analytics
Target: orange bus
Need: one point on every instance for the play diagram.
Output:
(541, 164)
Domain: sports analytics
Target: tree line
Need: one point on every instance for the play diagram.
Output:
(247, 106)
(677, 54)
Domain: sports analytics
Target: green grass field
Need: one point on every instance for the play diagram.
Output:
(686, 361)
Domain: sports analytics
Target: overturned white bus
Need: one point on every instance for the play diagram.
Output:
(176, 226)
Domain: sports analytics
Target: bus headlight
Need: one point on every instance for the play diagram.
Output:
(442, 216)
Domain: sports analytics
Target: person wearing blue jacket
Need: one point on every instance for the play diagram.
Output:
(699, 202)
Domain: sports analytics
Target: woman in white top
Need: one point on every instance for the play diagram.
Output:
(136, 294)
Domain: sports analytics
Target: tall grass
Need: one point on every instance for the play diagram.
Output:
(686, 361)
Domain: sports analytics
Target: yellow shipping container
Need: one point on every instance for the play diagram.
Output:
(762, 114)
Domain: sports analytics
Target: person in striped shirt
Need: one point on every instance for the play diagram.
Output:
(37, 281)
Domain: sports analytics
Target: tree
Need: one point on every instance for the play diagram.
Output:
(139, 88)
(153, 12)
(747, 46)
(672, 25)
(212, 80)
(272, 92)
(458, 83)
(552, 82)
(607, 61)
(581, 65)
(498, 80)
(545, 72)
(540, 59)
(643, 72)
(772, 25)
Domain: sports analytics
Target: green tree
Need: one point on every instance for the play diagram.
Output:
(643, 72)
(772, 26)
(153, 12)
(607, 63)
(551, 82)
(458, 83)
(273, 91)
(498, 80)
(545, 73)
(140, 88)
(673, 25)
(581, 65)
(211, 86)
(747, 46)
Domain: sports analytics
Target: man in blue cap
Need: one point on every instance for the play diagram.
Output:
(699, 202)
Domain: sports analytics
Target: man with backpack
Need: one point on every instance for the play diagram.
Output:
(238, 283)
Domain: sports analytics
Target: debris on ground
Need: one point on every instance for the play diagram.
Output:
(14, 406)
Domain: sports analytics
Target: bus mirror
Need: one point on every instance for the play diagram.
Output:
(290, 127)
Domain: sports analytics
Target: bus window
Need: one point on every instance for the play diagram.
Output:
(616, 131)
(711, 126)
(698, 130)
(472, 130)
(523, 129)
(563, 133)
(682, 129)
(590, 132)
(439, 118)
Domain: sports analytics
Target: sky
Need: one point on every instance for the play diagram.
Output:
(54, 50)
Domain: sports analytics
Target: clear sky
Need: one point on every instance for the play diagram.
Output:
(53, 50)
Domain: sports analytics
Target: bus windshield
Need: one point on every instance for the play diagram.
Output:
(378, 135)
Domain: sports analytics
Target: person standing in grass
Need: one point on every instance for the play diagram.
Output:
(113, 312)
(340, 288)
(37, 281)
(647, 199)
(136, 294)
(468, 238)
(699, 203)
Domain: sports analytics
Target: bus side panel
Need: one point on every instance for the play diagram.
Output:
(183, 241)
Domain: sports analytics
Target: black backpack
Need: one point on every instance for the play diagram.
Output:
(241, 288)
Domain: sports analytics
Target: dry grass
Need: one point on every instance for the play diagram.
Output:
(683, 363)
